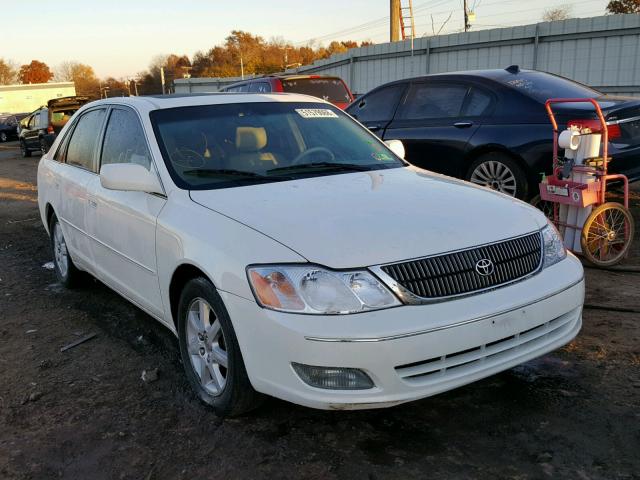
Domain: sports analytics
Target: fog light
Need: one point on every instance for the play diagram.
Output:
(333, 378)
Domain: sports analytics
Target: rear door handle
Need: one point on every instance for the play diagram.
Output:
(374, 128)
(462, 124)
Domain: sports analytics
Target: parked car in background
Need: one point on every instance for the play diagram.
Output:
(294, 254)
(490, 126)
(8, 128)
(39, 129)
(331, 89)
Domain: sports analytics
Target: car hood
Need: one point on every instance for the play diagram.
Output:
(369, 218)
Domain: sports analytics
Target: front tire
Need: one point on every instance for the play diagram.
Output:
(43, 146)
(210, 352)
(3, 137)
(499, 172)
(67, 273)
(24, 150)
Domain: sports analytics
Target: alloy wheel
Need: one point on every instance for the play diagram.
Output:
(206, 346)
(60, 250)
(496, 176)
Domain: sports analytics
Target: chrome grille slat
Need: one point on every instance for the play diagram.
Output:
(454, 273)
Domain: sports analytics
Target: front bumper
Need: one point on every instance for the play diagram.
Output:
(413, 351)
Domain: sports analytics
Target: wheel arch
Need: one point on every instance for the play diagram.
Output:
(181, 275)
(48, 214)
(481, 150)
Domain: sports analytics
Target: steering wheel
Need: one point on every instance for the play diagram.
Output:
(311, 151)
(187, 158)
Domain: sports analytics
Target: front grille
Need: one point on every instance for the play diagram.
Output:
(467, 362)
(455, 273)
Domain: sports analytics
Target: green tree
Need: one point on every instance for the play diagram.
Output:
(623, 6)
(35, 72)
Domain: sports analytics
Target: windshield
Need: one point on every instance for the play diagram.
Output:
(229, 145)
(543, 86)
(329, 89)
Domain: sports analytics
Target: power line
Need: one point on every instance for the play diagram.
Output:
(370, 24)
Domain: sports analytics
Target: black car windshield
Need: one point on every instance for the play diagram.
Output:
(229, 145)
(543, 86)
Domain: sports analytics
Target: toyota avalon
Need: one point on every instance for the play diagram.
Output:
(294, 254)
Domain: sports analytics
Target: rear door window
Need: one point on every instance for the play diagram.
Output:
(379, 105)
(430, 101)
(82, 144)
(124, 140)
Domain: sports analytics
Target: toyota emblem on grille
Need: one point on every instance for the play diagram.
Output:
(484, 267)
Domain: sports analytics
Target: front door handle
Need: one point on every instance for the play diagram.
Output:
(462, 124)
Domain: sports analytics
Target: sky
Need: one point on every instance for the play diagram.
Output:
(119, 38)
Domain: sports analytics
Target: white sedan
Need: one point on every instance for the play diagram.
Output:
(296, 255)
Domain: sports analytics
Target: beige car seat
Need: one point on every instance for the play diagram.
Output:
(249, 144)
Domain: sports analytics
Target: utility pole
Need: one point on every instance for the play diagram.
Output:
(466, 16)
(162, 79)
(394, 15)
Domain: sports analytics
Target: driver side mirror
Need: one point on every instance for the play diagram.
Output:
(396, 146)
(129, 177)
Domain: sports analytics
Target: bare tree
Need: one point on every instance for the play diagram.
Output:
(558, 13)
(8, 72)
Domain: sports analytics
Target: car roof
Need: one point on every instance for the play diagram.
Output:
(496, 74)
(158, 102)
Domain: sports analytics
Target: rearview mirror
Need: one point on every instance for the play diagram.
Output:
(129, 177)
(396, 147)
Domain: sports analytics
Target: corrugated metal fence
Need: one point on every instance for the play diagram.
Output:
(603, 52)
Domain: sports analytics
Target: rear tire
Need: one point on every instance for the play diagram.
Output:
(24, 150)
(66, 271)
(498, 171)
(44, 148)
(210, 352)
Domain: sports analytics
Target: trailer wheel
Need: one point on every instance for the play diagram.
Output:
(607, 234)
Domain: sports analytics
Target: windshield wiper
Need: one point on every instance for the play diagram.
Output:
(221, 171)
(344, 167)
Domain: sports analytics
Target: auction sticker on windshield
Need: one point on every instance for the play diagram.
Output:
(316, 113)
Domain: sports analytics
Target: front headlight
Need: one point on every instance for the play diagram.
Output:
(554, 250)
(316, 290)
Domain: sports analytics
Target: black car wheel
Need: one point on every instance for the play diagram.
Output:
(499, 172)
(3, 137)
(210, 352)
(24, 150)
(44, 148)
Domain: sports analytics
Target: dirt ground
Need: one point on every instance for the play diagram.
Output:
(86, 414)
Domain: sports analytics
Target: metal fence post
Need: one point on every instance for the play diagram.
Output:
(536, 40)
(428, 56)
